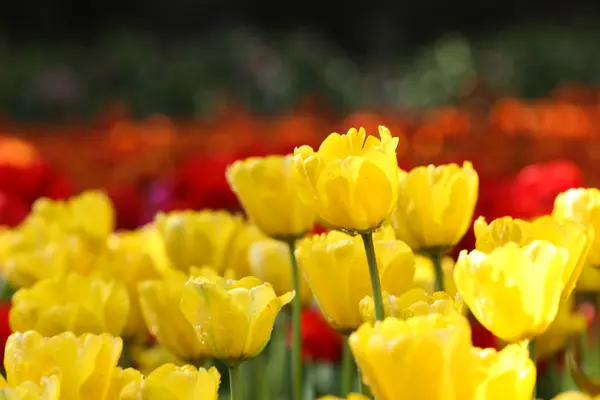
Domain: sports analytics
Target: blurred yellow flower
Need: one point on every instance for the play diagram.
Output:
(589, 280)
(270, 262)
(437, 360)
(159, 302)
(233, 319)
(85, 365)
(513, 291)
(573, 395)
(582, 206)
(352, 180)
(34, 252)
(170, 382)
(125, 385)
(267, 192)
(435, 206)
(127, 260)
(147, 359)
(505, 374)
(566, 234)
(72, 303)
(90, 214)
(49, 389)
(412, 303)
(196, 237)
(351, 396)
(335, 266)
(566, 324)
(425, 274)
(209, 272)
(236, 256)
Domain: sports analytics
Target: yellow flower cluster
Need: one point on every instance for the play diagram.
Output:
(209, 285)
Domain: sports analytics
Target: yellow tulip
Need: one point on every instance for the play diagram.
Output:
(49, 389)
(126, 384)
(505, 374)
(170, 382)
(572, 236)
(236, 256)
(351, 396)
(159, 301)
(71, 303)
(351, 181)
(582, 206)
(90, 214)
(435, 206)
(270, 262)
(513, 291)
(335, 266)
(210, 272)
(573, 395)
(233, 319)
(566, 324)
(438, 361)
(33, 252)
(195, 238)
(434, 353)
(589, 280)
(85, 365)
(267, 192)
(127, 260)
(425, 274)
(147, 359)
(412, 303)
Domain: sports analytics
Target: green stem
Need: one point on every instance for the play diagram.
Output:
(532, 355)
(362, 389)
(233, 381)
(437, 258)
(374, 273)
(347, 369)
(296, 327)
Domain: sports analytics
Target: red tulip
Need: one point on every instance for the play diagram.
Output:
(481, 337)
(4, 326)
(320, 342)
(129, 206)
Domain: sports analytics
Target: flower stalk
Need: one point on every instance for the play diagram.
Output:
(374, 273)
(296, 326)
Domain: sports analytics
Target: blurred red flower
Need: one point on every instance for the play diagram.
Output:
(536, 186)
(480, 336)
(4, 326)
(129, 206)
(320, 342)
(20, 186)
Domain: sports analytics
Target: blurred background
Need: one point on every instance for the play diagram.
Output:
(152, 99)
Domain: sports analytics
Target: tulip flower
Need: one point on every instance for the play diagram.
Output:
(85, 365)
(181, 383)
(435, 206)
(351, 181)
(233, 319)
(438, 361)
(569, 235)
(126, 259)
(335, 267)
(72, 303)
(412, 303)
(48, 389)
(159, 302)
(270, 262)
(513, 291)
(582, 206)
(267, 192)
